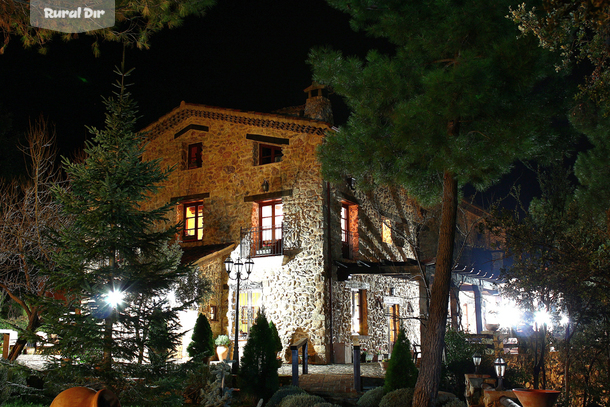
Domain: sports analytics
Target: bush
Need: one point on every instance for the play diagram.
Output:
(371, 398)
(302, 400)
(401, 372)
(14, 385)
(259, 365)
(455, 403)
(398, 398)
(444, 398)
(459, 353)
(276, 338)
(202, 344)
(283, 392)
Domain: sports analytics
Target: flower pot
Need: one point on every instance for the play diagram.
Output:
(222, 352)
(536, 398)
(369, 357)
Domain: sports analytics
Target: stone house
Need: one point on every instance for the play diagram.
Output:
(331, 263)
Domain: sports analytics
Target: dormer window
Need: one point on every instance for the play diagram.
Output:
(269, 154)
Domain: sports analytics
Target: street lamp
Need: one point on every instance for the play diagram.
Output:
(500, 366)
(238, 266)
(476, 359)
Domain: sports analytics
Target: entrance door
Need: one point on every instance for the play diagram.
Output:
(249, 306)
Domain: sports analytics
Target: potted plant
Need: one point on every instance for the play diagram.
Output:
(222, 346)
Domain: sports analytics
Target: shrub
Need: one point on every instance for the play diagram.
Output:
(455, 403)
(444, 397)
(401, 372)
(302, 400)
(459, 353)
(202, 344)
(276, 338)
(282, 392)
(222, 340)
(398, 398)
(371, 398)
(259, 365)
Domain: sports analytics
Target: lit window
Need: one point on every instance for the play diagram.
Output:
(271, 217)
(349, 226)
(394, 322)
(269, 154)
(386, 230)
(249, 307)
(213, 313)
(359, 313)
(193, 221)
(194, 156)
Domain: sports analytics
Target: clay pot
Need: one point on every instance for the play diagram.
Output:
(222, 352)
(536, 398)
(85, 397)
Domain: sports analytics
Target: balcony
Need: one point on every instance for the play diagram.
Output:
(273, 241)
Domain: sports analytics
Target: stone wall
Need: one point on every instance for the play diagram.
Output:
(393, 207)
(294, 286)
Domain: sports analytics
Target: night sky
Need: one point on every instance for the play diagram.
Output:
(243, 54)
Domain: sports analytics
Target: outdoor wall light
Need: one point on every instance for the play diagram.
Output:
(265, 186)
(500, 366)
(476, 359)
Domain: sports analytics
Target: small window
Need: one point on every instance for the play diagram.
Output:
(386, 230)
(213, 313)
(193, 221)
(269, 154)
(359, 313)
(349, 226)
(194, 156)
(394, 319)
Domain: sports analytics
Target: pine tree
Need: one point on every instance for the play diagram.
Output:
(259, 364)
(114, 245)
(202, 344)
(401, 368)
(454, 105)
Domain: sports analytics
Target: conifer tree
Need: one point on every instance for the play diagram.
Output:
(114, 245)
(454, 105)
(259, 364)
(202, 344)
(402, 371)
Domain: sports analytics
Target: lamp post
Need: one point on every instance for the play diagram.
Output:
(500, 366)
(476, 359)
(238, 266)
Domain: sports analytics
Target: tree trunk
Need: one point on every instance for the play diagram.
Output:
(33, 324)
(454, 292)
(426, 388)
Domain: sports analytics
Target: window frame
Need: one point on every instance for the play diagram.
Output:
(198, 221)
(276, 155)
(359, 312)
(194, 158)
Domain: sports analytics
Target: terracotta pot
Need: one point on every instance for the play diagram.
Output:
(222, 352)
(536, 398)
(85, 397)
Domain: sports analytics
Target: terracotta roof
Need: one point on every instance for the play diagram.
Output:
(172, 120)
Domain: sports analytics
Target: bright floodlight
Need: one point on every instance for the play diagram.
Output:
(114, 298)
(509, 315)
(542, 317)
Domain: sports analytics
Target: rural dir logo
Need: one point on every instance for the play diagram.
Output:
(72, 16)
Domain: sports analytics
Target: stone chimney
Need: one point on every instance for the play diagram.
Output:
(317, 105)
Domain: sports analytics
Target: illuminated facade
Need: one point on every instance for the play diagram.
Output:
(330, 262)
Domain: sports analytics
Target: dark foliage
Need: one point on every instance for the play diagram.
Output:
(202, 344)
(258, 375)
(401, 369)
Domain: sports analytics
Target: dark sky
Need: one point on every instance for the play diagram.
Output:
(243, 54)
